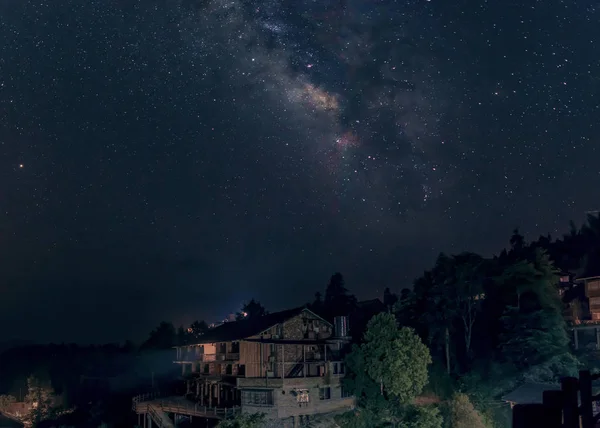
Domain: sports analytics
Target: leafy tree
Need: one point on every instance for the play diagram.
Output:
(41, 398)
(182, 336)
(468, 292)
(252, 309)
(439, 309)
(198, 328)
(317, 305)
(338, 301)
(451, 295)
(162, 337)
(244, 420)
(394, 359)
(462, 414)
(422, 417)
(6, 400)
(389, 298)
(534, 330)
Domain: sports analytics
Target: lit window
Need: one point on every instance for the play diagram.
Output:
(302, 396)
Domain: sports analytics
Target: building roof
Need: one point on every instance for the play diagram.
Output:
(238, 330)
(530, 393)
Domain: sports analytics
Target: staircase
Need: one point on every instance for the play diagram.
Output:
(295, 370)
(159, 417)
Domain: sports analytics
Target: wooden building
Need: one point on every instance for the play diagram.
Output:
(287, 365)
(592, 293)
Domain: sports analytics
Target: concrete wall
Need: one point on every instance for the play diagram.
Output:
(285, 397)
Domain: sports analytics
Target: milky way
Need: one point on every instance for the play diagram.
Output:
(181, 156)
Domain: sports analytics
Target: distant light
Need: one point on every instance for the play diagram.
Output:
(245, 314)
(21, 165)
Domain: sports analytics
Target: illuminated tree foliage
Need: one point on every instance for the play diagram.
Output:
(244, 420)
(40, 396)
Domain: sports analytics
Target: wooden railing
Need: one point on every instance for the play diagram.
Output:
(162, 421)
(143, 397)
(181, 407)
(193, 409)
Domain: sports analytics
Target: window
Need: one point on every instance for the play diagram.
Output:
(593, 285)
(302, 396)
(345, 392)
(257, 397)
(594, 301)
(325, 393)
(595, 316)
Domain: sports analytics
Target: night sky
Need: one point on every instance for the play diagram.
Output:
(170, 159)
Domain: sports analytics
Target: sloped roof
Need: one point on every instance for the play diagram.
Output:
(530, 393)
(238, 330)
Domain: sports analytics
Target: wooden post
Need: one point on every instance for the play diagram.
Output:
(585, 389)
(597, 338)
(553, 401)
(303, 362)
(575, 338)
(210, 394)
(570, 389)
(218, 394)
(282, 362)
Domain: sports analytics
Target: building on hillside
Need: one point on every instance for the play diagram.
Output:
(287, 365)
(529, 393)
(592, 293)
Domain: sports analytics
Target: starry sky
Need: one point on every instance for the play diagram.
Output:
(170, 159)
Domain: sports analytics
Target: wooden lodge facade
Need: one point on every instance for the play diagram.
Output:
(287, 365)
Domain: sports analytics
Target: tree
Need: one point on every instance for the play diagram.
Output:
(439, 309)
(182, 336)
(421, 417)
(317, 305)
(462, 413)
(40, 396)
(337, 299)
(162, 337)
(6, 401)
(244, 420)
(250, 310)
(197, 329)
(468, 292)
(534, 330)
(394, 359)
(451, 295)
(389, 298)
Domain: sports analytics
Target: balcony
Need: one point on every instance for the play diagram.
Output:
(230, 356)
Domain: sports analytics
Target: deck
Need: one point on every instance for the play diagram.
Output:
(149, 403)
